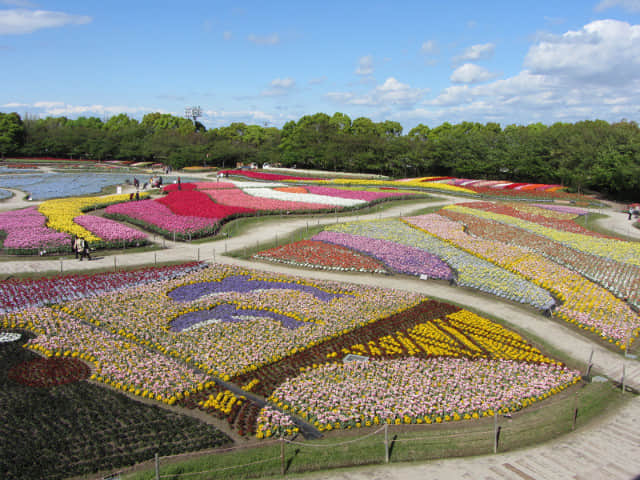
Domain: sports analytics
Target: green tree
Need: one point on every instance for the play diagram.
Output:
(11, 134)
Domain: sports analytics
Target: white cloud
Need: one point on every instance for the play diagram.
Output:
(22, 21)
(47, 105)
(14, 105)
(279, 87)
(630, 5)
(391, 92)
(365, 65)
(471, 73)
(476, 52)
(429, 48)
(272, 39)
(603, 52)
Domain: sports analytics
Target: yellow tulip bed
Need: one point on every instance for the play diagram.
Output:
(61, 212)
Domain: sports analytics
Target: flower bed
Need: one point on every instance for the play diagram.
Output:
(110, 231)
(158, 218)
(193, 203)
(471, 271)
(61, 213)
(319, 254)
(621, 251)
(356, 394)
(400, 258)
(236, 196)
(621, 279)
(49, 372)
(27, 234)
(584, 303)
(17, 294)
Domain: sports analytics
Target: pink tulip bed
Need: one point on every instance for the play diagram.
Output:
(111, 232)
(24, 232)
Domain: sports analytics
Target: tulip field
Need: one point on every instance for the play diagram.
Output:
(170, 334)
(99, 369)
(532, 254)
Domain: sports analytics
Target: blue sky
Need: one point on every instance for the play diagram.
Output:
(270, 62)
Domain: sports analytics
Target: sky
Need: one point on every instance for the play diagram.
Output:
(266, 63)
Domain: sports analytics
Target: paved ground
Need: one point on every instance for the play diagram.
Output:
(609, 449)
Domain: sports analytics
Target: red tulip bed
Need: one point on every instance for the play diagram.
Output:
(317, 254)
(50, 372)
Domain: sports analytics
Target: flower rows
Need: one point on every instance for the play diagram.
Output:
(413, 391)
(585, 303)
(25, 230)
(236, 196)
(627, 252)
(155, 216)
(143, 315)
(194, 203)
(621, 279)
(318, 254)
(537, 215)
(61, 213)
(110, 230)
(401, 258)
(471, 271)
(18, 294)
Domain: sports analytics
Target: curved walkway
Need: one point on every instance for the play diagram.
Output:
(608, 449)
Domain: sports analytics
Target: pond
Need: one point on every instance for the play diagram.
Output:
(44, 186)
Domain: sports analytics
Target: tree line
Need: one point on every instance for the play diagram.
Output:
(584, 156)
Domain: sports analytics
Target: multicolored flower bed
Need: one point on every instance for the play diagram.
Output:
(471, 271)
(621, 279)
(62, 212)
(319, 254)
(415, 391)
(167, 340)
(400, 258)
(154, 216)
(18, 294)
(619, 250)
(584, 303)
(78, 429)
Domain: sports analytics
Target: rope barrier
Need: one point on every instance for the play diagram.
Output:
(292, 442)
(219, 469)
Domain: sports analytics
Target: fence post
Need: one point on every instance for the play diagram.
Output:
(115, 267)
(495, 431)
(214, 255)
(282, 455)
(589, 365)
(155, 258)
(157, 467)
(622, 380)
(386, 443)
(60, 265)
(276, 239)
(575, 412)
(198, 253)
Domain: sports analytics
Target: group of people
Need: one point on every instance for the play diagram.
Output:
(81, 248)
